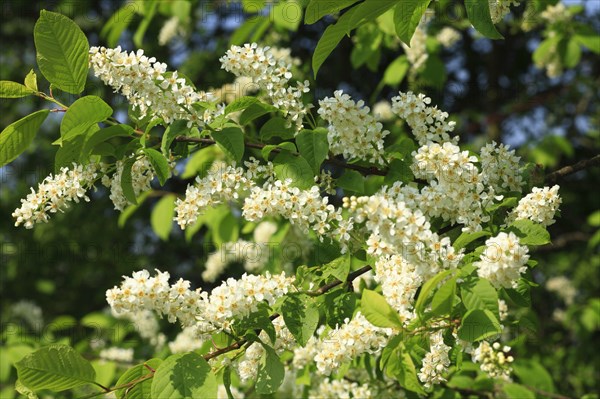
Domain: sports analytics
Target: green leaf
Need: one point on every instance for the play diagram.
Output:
(10, 89)
(177, 128)
(368, 11)
(54, 367)
(231, 141)
(479, 15)
(130, 210)
(529, 232)
(534, 375)
(93, 138)
(317, 9)
(18, 135)
(405, 371)
(31, 81)
(227, 382)
(25, 391)
(376, 309)
(478, 324)
(545, 50)
(517, 391)
(313, 146)
(399, 170)
(338, 306)
(441, 304)
(70, 150)
(287, 14)
(301, 317)
(434, 72)
(200, 162)
(296, 168)
(117, 23)
(480, 294)
(82, 114)
(127, 180)
(396, 70)
(240, 104)
(141, 390)
(407, 15)
(338, 268)
(161, 218)
(427, 288)
(159, 163)
(466, 238)
(520, 296)
(62, 51)
(270, 372)
(276, 127)
(351, 180)
(184, 375)
(255, 111)
(330, 39)
(589, 41)
(570, 52)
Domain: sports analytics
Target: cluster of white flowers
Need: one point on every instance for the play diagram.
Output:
(141, 292)
(500, 167)
(340, 389)
(397, 227)
(142, 174)
(539, 206)
(271, 74)
(502, 309)
(435, 362)
(427, 123)
(249, 363)
(448, 36)
(500, 8)
(235, 299)
(221, 183)
(556, 13)
(416, 53)
(148, 86)
(503, 260)
(382, 111)
(54, 194)
(28, 312)
(455, 191)
(563, 287)
(303, 208)
(305, 355)
(399, 282)
(493, 360)
(353, 131)
(353, 338)
(115, 354)
(170, 29)
(186, 341)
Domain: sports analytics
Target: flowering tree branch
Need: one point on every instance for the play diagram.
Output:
(570, 169)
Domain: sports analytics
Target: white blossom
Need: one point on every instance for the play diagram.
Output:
(142, 174)
(435, 362)
(340, 389)
(500, 8)
(55, 193)
(115, 354)
(186, 341)
(503, 260)
(563, 287)
(448, 36)
(539, 206)
(493, 360)
(500, 167)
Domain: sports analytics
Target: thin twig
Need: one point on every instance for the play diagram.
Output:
(570, 169)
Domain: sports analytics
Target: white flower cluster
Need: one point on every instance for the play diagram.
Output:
(340, 389)
(270, 74)
(448, 36)
(148, 86)
(353, 338)
(455, 192)
(303, 208)
(186, 341)
(435, 362)
(493, 360)
(503, 260)
(417, 51)
(250, 362)
(500, 167)
(427, 123)
(54, 194)
(502, 309)
(563, 287)
(397, 227)
(235, 299)
(353, 131)
(146, 325)
(500, 8)
(539, 206)
(141, 292)
(142, 174)
(219, 184)
(115, 354)
(399, 282)
(28, 312)
(556, 13)
(382, 111)
(170, 29)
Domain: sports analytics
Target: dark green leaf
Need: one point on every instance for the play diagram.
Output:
(82, 114)
(161, 218)
(351, 180)
(301, 317)
(276, 127)
(140, 390)
(480, 294)
(407, 15)
(313, 146)
(317, 9)
(468, 237)
(159, 163)
(10, 89)
(288, 166)
(427, 288)
(184, 375)
(18, 135)
(231, 141)
(95, 137)
(478, 324)
(270, 372)
(441, 304)
(479, 15)
(529, 232)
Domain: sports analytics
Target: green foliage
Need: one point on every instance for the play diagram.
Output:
(184, 375)
(376, 309)
(16, 137)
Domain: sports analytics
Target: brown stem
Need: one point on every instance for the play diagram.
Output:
(570, 169)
